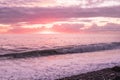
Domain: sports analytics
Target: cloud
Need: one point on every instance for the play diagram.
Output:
(56, 3)
(61, 28)
(111, 27)
(67, 28)
(21, 30)
(46, 15)
(81, 28)
(107, 27)
(70, 19)
(25, 3)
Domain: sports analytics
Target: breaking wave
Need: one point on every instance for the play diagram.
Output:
(65, 50)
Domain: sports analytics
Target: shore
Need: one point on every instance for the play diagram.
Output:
(59, 66)
(104, 74)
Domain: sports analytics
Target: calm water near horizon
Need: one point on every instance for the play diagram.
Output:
(20, 43)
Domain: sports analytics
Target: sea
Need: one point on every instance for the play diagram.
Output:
(54, 56)
(15, 43)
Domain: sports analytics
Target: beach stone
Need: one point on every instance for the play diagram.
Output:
(117, 78)
(97, 78)
(116, 69)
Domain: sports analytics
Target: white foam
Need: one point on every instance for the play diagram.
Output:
(54, 67)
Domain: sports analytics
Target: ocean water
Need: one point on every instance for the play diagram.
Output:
(34, 57)
(22, 43)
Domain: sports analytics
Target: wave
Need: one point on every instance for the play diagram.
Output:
(65, 50)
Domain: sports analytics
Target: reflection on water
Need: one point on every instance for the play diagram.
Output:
(19, 43)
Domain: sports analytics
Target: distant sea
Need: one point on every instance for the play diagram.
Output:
(18, 43)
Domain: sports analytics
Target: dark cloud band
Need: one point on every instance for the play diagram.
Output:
(39, 15)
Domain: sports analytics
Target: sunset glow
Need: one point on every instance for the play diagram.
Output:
(37, 16)
(47, 32)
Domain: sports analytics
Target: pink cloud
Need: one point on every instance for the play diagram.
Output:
(67, 28)
(45, 15)
(20, 30)
(109, 27)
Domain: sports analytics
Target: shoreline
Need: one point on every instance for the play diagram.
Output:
(104, 74)
(57, 67)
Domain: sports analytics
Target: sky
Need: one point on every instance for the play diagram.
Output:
(59, 16)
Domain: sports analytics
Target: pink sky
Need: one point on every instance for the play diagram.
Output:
(59, 16)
